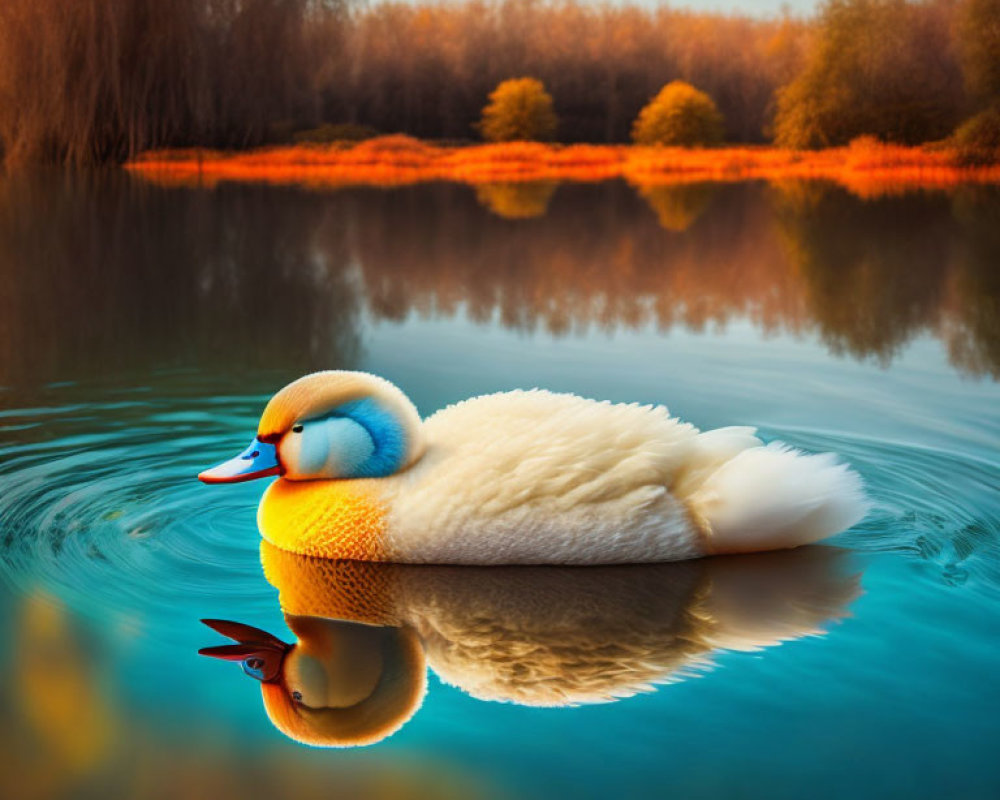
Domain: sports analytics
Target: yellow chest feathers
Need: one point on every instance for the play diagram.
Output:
(330, 519)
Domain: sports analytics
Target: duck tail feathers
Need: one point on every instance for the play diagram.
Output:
(774, 497)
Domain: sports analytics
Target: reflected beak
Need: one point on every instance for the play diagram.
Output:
(259, 460)
(259, 653)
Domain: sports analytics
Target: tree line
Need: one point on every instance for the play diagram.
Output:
(99, 80)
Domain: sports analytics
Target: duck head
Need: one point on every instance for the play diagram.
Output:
(342, 684)
(327, 425)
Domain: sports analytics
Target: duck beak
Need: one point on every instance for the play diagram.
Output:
(259, 460)
(259, 653)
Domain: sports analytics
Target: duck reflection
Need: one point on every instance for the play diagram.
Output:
(535, 636)
(71, 726)
(342, 684)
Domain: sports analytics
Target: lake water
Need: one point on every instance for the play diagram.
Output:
(143, 328)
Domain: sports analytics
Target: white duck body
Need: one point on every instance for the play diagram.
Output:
(534, 477)
(531, 477)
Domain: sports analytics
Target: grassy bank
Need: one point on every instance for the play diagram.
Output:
(866, 167)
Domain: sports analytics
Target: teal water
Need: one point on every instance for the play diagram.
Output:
(144, 327)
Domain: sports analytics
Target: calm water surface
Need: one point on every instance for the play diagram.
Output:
(144, 327)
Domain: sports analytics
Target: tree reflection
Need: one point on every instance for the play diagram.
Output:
(972, 319)
(677, 206)
(102, 272)
(597, 260)
(872, 272)
(516, 200)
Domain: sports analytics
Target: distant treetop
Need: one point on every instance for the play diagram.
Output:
(519, 110)
(679, 115)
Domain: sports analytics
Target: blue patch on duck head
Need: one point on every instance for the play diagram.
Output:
(388, 437)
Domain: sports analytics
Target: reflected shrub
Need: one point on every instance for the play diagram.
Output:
(516, 200)
(677, 206)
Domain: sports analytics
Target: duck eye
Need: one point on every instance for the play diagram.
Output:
(296, 428)
(297, 696)
(254, 667)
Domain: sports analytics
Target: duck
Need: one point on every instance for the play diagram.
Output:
(366, 633)
(525, 477)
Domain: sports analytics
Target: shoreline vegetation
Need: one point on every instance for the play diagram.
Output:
(103, 81)
(866, 167)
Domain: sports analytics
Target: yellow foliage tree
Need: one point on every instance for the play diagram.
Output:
(877, 67)
(519, 110)
(679, 115)
(977, 140)
(979, 45)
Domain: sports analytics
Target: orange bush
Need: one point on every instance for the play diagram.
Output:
(679, 115)
(519, 110)
(866, 166)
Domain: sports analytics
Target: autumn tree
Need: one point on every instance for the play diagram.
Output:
(519, 109)
(977, 140)
(679, 115)
(878, 67)
(100, 80)
(979, 45)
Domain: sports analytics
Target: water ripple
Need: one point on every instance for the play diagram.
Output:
(100, 501)
(931, 505)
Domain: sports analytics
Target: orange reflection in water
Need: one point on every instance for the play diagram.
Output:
(66, 731)
(111, 272)
(516, 199)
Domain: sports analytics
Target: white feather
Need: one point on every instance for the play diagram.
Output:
(767, 498)
(536, 477)
(531, 477)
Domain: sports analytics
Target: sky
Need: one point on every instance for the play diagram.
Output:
(754, 7)
(759, 8)
(762, 7)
